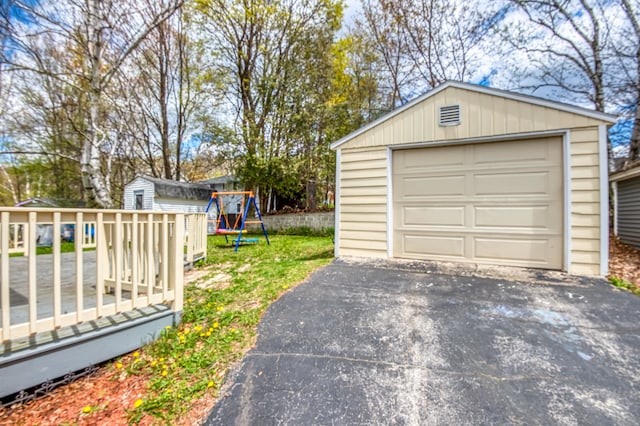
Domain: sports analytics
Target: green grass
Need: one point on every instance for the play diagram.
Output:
(307, 231)
(620, 283)
(219, 322)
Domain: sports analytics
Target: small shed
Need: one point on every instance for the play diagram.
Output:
(626, 204)
(467, 173)
(149, 193)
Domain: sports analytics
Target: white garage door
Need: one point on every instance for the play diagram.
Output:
(496, 203)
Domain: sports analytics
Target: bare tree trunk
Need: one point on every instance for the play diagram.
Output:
(634, 144)
(312, 199)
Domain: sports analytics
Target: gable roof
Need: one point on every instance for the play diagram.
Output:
(38, 201)
(165, 188)
(479, 89)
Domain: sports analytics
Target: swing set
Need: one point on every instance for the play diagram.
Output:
(238, 227)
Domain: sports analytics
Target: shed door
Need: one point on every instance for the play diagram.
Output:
(495, 203)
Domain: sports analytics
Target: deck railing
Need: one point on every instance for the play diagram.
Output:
(121, 260)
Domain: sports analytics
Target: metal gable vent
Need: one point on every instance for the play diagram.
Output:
(449, 115)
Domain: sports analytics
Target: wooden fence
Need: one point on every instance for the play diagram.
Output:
(121, 260)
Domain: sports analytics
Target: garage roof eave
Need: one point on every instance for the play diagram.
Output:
(629, 173)
(608, 118)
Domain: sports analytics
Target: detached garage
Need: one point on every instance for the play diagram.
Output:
(467, 173)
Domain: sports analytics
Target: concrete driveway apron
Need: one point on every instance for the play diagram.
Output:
(366, 343)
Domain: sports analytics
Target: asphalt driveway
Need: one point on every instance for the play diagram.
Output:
(387, 343)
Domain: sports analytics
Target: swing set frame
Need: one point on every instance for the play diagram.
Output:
(239, 225)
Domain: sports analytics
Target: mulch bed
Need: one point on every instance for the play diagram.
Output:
(110, 393)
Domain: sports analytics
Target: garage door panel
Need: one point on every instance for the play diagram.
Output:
(526, 250)
(429, 245)
(515, 183)
(436, 157)
(433, 216)
(432, 186)
(500, 203)
(522, 217)
(510, 153)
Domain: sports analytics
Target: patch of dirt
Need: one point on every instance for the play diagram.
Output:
(624, 261)
(195, 274)
(218, 282)
(244, 268)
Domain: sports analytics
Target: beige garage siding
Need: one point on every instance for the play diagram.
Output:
(585, 202)
(363, 203)
(496, 203)
(363, 218)
(482, 115)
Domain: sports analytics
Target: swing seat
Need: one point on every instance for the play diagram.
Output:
(222, 231)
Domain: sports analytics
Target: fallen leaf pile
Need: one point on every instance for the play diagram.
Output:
(624, 261)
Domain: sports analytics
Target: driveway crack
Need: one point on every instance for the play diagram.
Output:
(492, 377)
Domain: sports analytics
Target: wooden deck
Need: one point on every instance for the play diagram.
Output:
(64, 312)
(19, 285)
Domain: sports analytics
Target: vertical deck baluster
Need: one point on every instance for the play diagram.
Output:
(4, 278)
(134, 259)
(189, 238)
(127, 257)
(79, 247)
(57, 298)
(101, 258)
(165, 255)
(117, 252)
(149, 255)
(33, 296)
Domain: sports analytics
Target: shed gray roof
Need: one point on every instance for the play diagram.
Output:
(165, 188)
(38, 201)
(220, 179)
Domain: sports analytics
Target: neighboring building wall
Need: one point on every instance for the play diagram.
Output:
(628, 211)
(177, 205)
(139, 184)
(188, 206)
